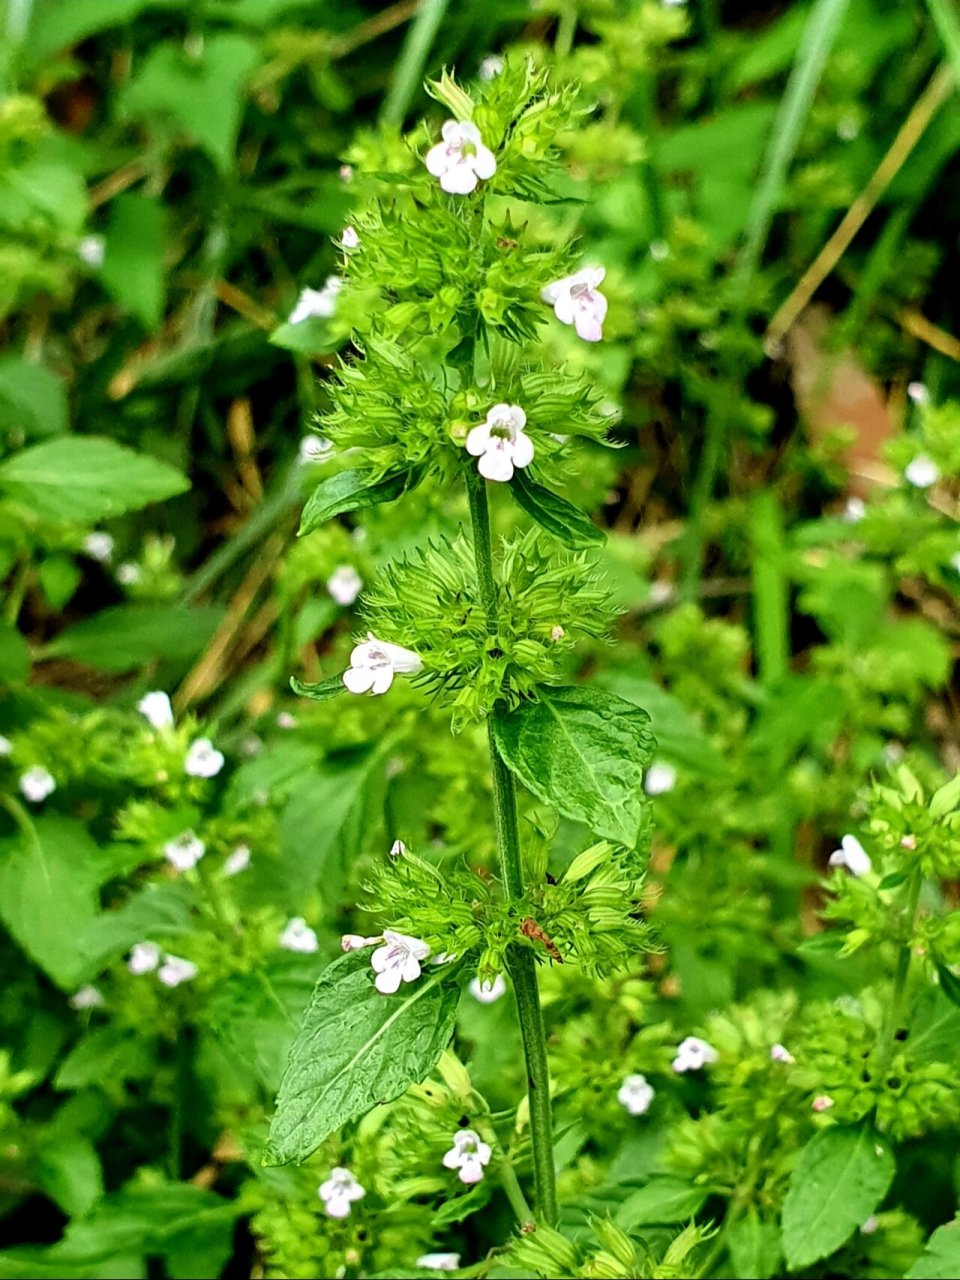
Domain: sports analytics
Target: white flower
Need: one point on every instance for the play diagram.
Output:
(298, 936)
(344, 584)
(853, 856)
(438, 1261)
(397, 849)
(37, 783)
(398, 960)
(184, 851)
(955, 562)
(349, 238)
(780, 1053)
(356, 941)
(501, 442)
(128, 575)
(86, 998)
(237, 861)
(346, 173)
(6, 746)
(313, 448)
(822, 1103)
(848, 129)
(918, 392)
(660, 777)
(491, 66)
(316, 302)
(175, 970)
(659, 250)
(577, 300)
(854, 511)
(92, 250)
(693, 1054)
(339, 1191)
(99, 546)
(156, 708)
(286, 720)
(469, 1154)
(203, 759)
(487, 992)
(144, 958)
(922, 472)
(374, 663)
(870, 1226)
(636, 1093)
(461, 159)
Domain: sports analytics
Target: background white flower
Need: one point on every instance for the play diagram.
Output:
(349, 238)
(339, 1192)
(175, 970)
(86, 998)
(184, 851)
(344, 584)
(636, 1093)
(918, 392)
(374, 663)
(851, 855)
(922, 472)
(155, 707)
(128, 575)
(144, 957)
(317, 302)
(237, 861)
(577, 300)
(854, 510)
(438, 1261)
(99, 546)
(693, 1054)
(487, 992)
(501, 442)
(780, 1053)
(203, 759)
(660, 778)
(490, 67)
(298, 936)
(398, 960)
(37, 783)
(461, 159)
(469, 1154)
(92, 250)
(6, 746)
(313, 448)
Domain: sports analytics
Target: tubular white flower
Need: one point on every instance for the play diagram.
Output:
(37, 783)
(438, 1261)
(99, 546)
(344, 584)
(175, 970)
(144, 958)
(203, 759)
(237, 861)
(501, 443)
(693, 1054)
(661, 777)
(184, 851)
(922, 472)
(636, 1093)
(853, 856)
(317, 302)
(468, 1155)
(780, 1053)
(356, 941)
(487, 992)
(298, 936)
(87, 998)
(155, 707)
(398, 960)
(339, 1192)
(461, 160)
(349, 238)
(577, 300)
(374, 663)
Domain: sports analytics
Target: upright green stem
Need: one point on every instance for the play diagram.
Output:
(894, 1017)
(520, 960)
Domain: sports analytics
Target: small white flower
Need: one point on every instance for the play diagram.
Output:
(203, 759)
(374, 663)
(693, 1054)
(491, 66)
(346, 173)
(349, 238)
(316, 302)
(37, 783)
(918, 392)
(175, 970)
(397, 849)
(853, 856)
(659, 250)
(92, 250)
(6, 746)
(922, 472)
(128, 575)
(854, 511)
(398, 960)
(286, 720)
(144, 958)
(822, 1103)
(461, 159)
(487, 992)
(636, 1093)
(298, 936)
(955, 562)
(237, 861)
(356, 941)
(344, 584)
(660, 778)
(99, 546)
(468, 1154)
(86, 998)
(501, 442)
(870, 1226)
(557, 633)
(155, 707)
(313, 448)
(780, 1053)
(577, 300)
(438, 1261)
(339, 1192)
(184, 851)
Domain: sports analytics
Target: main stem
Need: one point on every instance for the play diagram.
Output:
(520, 960)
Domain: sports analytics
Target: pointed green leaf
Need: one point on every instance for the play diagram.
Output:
(566, 522)
(354, 491)
(319, 692)
(941, 1258)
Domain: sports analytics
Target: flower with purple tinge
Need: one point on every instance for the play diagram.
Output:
(339, 1192)
(144, 958)
(660, 778)
(356, 941)
(398, 960)
(854, 511)
(184, 851)
(99, 546)
(313, 448)
(501, 443)
(823, 1102)
(922, 472)
(853, 856)
(577, 300)
(175, 970)
(349, 238)
(344, 584)
(468, 1155)
(461, 160)
(37, 783)
(319, 303)
(374, 663)
(780, 1053)
(286, 720)
(693, 1054)
(87, 998)
(636, 1093)
(918, 392)
(298, 936)
(156, 709)
(237, 861)
(203, 759)
(487, 992)
(438, 1261)
(397, 849)
(346, 173)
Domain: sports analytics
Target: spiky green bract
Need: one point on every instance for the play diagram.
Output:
(429, 602)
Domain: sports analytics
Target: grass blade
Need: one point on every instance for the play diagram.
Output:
(413, 58)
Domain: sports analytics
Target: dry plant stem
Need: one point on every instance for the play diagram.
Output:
(520, 961)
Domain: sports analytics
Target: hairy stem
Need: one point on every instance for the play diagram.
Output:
(520, 960)
(895, 1010)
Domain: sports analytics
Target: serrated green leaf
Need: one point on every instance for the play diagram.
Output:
(753, 1245)
(567, 523)
(584, 752)
(941, 1258)
(661, 1200)
(353, 491)
(322, 691)
(842, 1176)
(357, 1048)
(32, 398)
